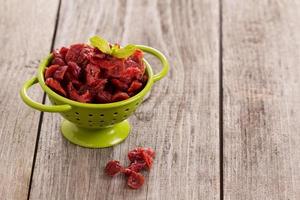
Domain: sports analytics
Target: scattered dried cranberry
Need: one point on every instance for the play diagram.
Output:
(141, 158)
(137, 166)
(137, 154)
(147, 159)
(113, 167)
(135, 180)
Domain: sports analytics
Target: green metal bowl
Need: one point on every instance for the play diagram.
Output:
(93, 125)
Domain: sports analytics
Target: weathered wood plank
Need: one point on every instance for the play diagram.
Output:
(261, 99)
(180, 120)
(25, 35)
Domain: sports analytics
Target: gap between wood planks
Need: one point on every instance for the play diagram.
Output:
(43, 102)
(220, 102)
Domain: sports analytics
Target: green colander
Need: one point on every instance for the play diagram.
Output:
(93, 125)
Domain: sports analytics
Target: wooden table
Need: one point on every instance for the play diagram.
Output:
(225, 123)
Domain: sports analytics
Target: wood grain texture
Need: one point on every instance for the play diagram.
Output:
(261, 52)
(180, 118)
(25, 35)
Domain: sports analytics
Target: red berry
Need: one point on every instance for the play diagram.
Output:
(119, 96)
(137, 166)
(60, 73)
(55, 85)
(135, 86)
(58, 61)
(113, 167)
(50, 71)
(74, 95)
(63, 51)
(147, 159)
(135, 180)
(119, 84)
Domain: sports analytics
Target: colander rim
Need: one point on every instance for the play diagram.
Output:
(44, 63)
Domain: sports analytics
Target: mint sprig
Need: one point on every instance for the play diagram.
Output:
(115, 50)
(100, 44)
(124, 52)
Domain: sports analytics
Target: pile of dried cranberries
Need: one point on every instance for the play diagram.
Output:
(84, 73)
(140, 159)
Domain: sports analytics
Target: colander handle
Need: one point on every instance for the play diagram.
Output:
(39, 106)
(162, 59)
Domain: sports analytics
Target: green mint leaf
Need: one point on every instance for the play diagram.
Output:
(124, 52)
(100, 44)
(114, 48)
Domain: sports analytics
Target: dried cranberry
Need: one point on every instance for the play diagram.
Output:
(137, 166)
(135, 180)
(104, 97)
(113, 167)
(73, 52)
(135, 86)
(50, 71)
(131, 63)
(92, 73)
(84, 98)
(135, 154)
(150, 152)
(127, 171)
(63, 51)
(142, 155)
(60, 72)
(55, 85)
(120, 96)
(99, 84)
(147, 159)
(130, 74)
(119, 84)
(85, 55)
(58, 61)
(74, 69)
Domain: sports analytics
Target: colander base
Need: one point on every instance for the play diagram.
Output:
(95, 138)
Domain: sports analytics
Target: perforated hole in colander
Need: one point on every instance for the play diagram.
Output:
(101, 115)
(90, 121)
(77, 119)
(127, 109)
(116, 113)
(76, 113)
(91, 115)
(102, 121)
